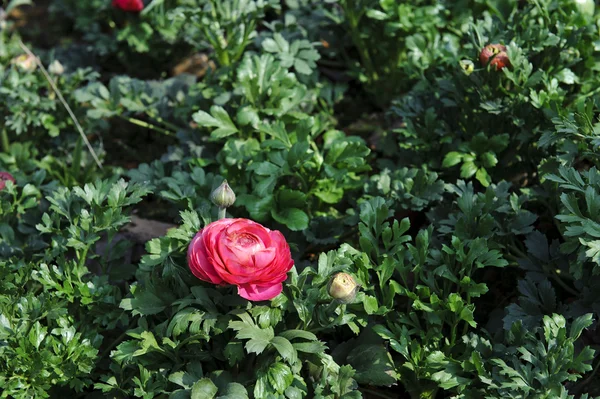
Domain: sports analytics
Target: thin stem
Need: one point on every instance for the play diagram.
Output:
(222, 213)
(166, 123)
(564, 285)
(147, 125)
(63, 101)
(76, 166)
(520, 253)
(5, 141)
(353, 21)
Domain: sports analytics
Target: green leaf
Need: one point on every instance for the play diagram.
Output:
(483, 177)
(37, 334)
(285, 349)
(280, 376)
(233, 390)
(258, 338)
(293, 334)
(468, 169)
(580, 324)
(204, 389)
(377, 15)
(373, 365)
(370, 304)
(218, 118)
(277, 131)
(452, 158)
(295, 219)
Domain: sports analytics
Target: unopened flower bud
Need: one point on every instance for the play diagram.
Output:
(343, 287)
(223, 196)
(4, 177)
(467, 66)
(495, 55)
(56, 68)
(25, 62)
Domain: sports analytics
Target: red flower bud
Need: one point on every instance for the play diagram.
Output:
(129, 5)
(494, 54)
(4, 177)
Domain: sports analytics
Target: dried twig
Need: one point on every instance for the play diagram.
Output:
(62, 100)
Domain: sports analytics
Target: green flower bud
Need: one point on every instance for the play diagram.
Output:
(343, 287)
(223, 196)
(467, 66)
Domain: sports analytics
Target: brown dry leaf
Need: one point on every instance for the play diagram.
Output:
(196, 64)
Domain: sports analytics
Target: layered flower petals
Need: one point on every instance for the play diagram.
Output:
(243, 253)
(129, 5)
(4, 177)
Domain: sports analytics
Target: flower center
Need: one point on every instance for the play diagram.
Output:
(248, 242)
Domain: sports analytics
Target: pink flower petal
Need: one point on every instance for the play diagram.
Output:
(198, 262)
(254, 292)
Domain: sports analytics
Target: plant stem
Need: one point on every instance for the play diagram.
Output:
(354, 21)
(166, 123)
(147, 125)
(63, 102)
(76, 165)
(222, 213)
(5, 141)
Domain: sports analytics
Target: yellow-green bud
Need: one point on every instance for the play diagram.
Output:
(343, 287)
(467, 66)
(223, 196)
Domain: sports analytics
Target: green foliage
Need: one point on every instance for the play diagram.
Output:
(53, 308)
(539, 361)
(463, 201)
(580, 202)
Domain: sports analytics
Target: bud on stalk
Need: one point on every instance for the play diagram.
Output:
(56, 68)
(223, 197)
(495, 55)
(467, 66)
(343, 287)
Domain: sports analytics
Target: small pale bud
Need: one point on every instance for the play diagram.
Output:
(56, 68)
(343, 287)
(467, 66)
(25, 62)
(223, 196)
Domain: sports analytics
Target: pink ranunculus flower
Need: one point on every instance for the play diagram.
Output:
(243, 253)
(4, 177)
(129, 5)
